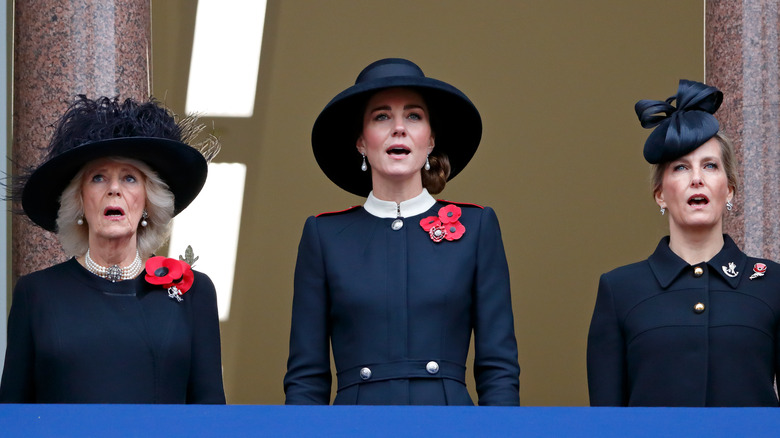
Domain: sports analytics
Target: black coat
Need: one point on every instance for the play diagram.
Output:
(665, 333)
(74, 337)
(393, 301)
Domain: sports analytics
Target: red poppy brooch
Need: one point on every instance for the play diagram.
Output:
(759, 269)
(445, 226)
(174, 275)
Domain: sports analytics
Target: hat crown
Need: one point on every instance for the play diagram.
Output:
(88, 121)
(680, 130)
(387, 68)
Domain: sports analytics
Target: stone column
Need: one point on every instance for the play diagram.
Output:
(63, 48)
(742, 60)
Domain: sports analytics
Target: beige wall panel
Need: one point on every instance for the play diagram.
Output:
(560, 160)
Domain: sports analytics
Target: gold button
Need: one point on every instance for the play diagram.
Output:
(698, 271)
(698, 308)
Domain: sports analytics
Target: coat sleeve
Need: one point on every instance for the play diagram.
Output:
(205, 382)
(308, 378)
(777, 354)
(496, 370)
(607, 374)
(18, 383)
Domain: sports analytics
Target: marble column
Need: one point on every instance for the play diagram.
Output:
(742, 60)
(63, 48)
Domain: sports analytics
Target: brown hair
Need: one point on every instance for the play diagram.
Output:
(729, 165)
(435, 179)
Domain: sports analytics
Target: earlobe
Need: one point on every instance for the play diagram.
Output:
(659, 199)
(360, 144)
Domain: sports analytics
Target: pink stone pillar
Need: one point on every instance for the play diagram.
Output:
(63, 48)
(742, 60)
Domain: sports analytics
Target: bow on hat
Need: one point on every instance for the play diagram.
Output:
(679, 130)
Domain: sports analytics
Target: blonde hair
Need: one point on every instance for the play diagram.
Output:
(74, 238)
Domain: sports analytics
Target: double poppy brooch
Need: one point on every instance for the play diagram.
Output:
(174, 275)
(445, 226)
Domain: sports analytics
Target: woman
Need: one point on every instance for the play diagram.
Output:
(696, 324)
(396, 287)
(112, 325)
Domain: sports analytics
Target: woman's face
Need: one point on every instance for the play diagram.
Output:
(396, 136)
(114, 196)
(695, 189)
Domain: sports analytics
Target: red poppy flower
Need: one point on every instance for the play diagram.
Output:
(444, 226)
(449, 214)
(759, 269)
(454, 230)
(430, 222)
(187, 278)
(170, 274)
(162, 270)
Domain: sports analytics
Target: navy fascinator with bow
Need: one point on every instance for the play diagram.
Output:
(679, 130)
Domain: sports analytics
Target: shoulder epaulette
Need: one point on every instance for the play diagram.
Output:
(465, 204)
(330, 213)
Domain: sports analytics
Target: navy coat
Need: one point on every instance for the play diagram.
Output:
(74, 337)
(391, 302)
(665, 333)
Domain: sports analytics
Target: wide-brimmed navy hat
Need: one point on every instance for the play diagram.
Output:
(680, 130)
(455, 121)
(105, 127)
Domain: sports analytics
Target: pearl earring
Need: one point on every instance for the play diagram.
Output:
(427, 163)
(364, 166)
(80, 220)
(144, 216)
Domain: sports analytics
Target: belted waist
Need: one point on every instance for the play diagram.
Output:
(403, 369)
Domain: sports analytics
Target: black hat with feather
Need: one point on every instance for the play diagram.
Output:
(108, 127)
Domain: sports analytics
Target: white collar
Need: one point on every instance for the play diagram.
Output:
(389, 209)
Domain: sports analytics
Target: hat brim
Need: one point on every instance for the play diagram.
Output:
(181, 166)
(455, 121)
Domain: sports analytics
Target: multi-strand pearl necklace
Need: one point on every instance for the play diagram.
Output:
(114, 272)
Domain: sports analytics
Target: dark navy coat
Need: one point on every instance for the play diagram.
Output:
(665, 333)
(74, 337)
(396, 306)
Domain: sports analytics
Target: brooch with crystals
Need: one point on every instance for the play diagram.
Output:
(174, 275)
(445, 226)
(759, 269)
(731, 271)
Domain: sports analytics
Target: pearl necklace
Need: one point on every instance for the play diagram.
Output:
(114, 272)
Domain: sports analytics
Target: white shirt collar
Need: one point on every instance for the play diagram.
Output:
(389, 209)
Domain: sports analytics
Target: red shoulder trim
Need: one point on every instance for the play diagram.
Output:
(461, 203)
(328, 213)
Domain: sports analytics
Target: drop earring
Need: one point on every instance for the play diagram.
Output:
(729, 205)
(663, 211)
(427, 163)
(144, 217)
(364, 166)
(80, 220)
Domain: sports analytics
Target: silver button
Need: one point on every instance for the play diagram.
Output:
(432, 367)
(365, 373)
(397, 224)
